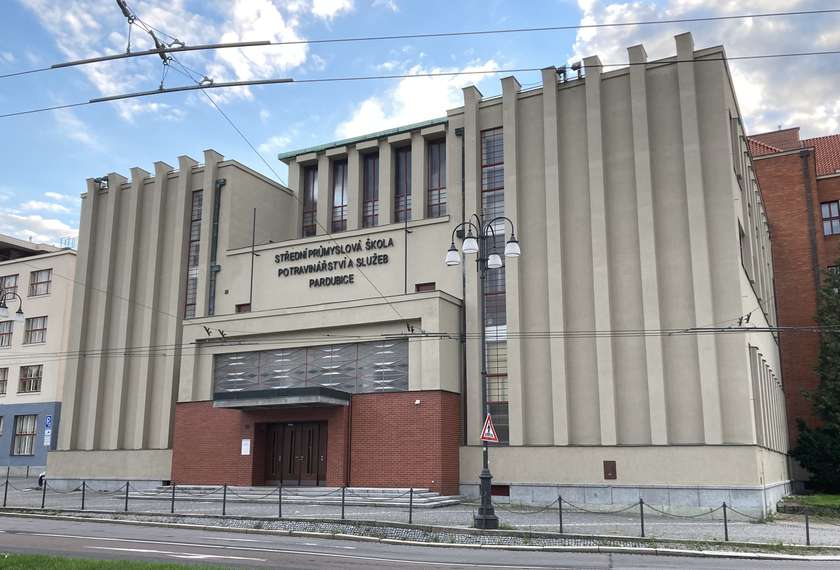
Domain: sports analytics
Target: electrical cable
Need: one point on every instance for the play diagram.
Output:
(425, 35)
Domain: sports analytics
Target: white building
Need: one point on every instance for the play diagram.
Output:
(35, 285)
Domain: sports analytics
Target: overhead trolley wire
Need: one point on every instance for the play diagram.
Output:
(291, 81)
(422, 35)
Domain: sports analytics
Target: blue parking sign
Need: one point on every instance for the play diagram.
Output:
(48, 422)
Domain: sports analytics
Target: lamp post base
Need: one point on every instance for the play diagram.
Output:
(487, 522)
(486, 517)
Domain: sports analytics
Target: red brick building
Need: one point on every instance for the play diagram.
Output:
(800, 180)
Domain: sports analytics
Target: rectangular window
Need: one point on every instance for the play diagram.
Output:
(310, 200)
(402, 184)
(370, 198)
(4, 380)
(6, 333)
(436, 160)
(30, 379)
(24, 442)
(39, 282)
(214, 251)
(35, 330)
(424, 287)
(243, 308)
(8, 283)
(193, 255)
(2, 425)
(339, 209)
(831, 218)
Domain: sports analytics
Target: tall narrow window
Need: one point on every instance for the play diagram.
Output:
(4, 380)
(402, 184)
(30, 379)
(8, 283)
(370, 199)
(192, 258)
(214, 251)
(339, 209)
(310, 200)
(495, 324)
(436, 159)
(35, 330)
(6, 333)
(24, 441)
(831, 218)
(39, 282)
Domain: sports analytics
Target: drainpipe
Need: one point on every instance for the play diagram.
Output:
(459, 132)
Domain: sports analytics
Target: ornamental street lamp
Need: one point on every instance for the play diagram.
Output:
(480, 239)
(5, 295)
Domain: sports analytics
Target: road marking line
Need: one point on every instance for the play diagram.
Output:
(233, 539)
(185, 555)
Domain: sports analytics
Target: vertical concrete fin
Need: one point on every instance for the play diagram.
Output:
(600, 253)
(73, 391)
(96, 434)
(354, 189)
(699, 243)
(123, 313)
(296, 186)
(516, 388)
(472, 178)
(647, 245)
(324, 193)
(554, 250)
(418, 176)
(386, 183)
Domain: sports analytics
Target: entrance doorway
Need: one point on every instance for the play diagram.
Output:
(296, 454)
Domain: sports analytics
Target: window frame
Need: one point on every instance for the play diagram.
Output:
(33, 382)
(309, 215)
(27, 438)
(193, 254)
(6, 336)
(402, 181)
(436, 182)
(830, 212)
(9, 288)
(34, 286)
(370, 190)
(4, 381)
(29, 331)
(338, 220)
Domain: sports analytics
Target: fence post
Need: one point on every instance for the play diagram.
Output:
(84, 484)
(410, 505)
(6, 489)
(224, 500)
(725, 524)
(172, 505)
(342, 502)
(44, 493)
(280, 501)
(127, 483)
(642, 515)
(560, 511)
(807, 529)
(27, 471)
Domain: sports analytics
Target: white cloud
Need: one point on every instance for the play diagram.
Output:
(329, 9)
(274, 145)
(7, 57)
(389, 4)
(770, 92)
(39, 206)
(67, 198)
(75, 129)
(413, 99)
(35, 227)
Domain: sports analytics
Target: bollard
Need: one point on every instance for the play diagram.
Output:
(224, 500)
(6, 488)
(44, 493)
(280, 501)
(560, 511)
(410, 505)
(126, 496)
(342, 503)
(807, 529)
(642, 515)
(84, 484)
(172, 506)
(725, 524)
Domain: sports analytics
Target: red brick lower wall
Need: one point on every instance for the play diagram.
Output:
(394, 442)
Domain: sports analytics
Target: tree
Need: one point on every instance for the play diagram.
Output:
(818, 447)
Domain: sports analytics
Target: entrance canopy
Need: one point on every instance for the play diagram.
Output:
(301, 396)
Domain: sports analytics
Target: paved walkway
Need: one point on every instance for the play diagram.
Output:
(786, 529)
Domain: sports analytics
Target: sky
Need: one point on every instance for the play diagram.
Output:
(47, 157)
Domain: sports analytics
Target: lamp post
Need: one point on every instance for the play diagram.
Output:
(5, 295)
(480, 239)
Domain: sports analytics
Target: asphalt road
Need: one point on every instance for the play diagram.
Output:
(130, 542)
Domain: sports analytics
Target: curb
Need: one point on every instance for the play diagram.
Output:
(360, 538)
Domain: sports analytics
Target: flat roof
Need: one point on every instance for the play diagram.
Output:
(17, 248)
(377, 135)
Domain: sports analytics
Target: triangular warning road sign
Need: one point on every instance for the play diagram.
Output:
(488, 432)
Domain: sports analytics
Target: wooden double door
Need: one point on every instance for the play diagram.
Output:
(296, 454)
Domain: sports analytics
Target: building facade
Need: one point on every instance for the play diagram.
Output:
(800, 179)
(34, 279)
(337, 348)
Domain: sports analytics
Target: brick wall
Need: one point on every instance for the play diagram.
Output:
(395, 442)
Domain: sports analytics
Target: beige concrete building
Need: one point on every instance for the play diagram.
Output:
(36, 280)
(340, 349)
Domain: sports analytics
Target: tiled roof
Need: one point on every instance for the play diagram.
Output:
(757, 148)
(827, 153)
